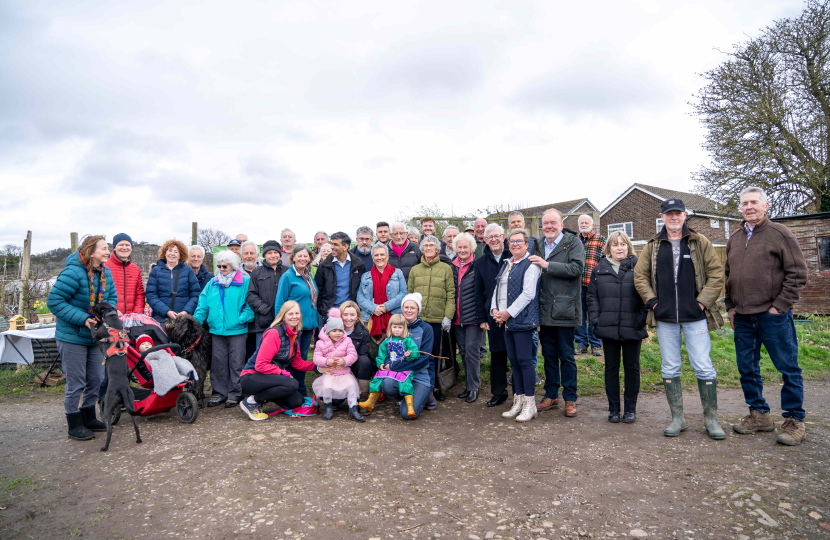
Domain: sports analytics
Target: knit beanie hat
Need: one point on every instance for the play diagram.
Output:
(415, 297)
(143, 338)
(271, 245)
(334, 322)
(120, 237)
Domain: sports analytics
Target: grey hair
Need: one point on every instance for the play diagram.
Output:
(413, 230)
(379, 245)
(397, 224)
(448, 228)
(465, 236)
(319, 232)
(587, 216)
(364, 230)
(288, 230)
(248, 243)
(230, 258)
(514, 232)
(753, 189)
(429, 239)
(197, 248)
(515, 213)
(493, 226)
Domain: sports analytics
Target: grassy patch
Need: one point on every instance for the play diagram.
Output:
(20, 381)
(11, 488)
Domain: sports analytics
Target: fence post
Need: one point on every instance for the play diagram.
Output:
(73, 242)
(195, 233)
(24, 276)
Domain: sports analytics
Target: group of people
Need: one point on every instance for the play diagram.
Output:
(390, 312)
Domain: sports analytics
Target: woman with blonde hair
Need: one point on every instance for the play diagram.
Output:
(266, 376)
(170, 290)
(619, 318)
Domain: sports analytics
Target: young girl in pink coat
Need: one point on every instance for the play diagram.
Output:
(334, 352)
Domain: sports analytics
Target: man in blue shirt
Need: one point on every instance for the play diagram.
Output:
(338, 276)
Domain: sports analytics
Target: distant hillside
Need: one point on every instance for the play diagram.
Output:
(52, 262)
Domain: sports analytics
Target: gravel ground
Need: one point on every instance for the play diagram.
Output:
(459, 472)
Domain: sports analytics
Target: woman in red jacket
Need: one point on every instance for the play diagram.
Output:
(126, 275)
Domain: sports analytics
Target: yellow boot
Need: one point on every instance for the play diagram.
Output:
(370, 403)
(410, 410)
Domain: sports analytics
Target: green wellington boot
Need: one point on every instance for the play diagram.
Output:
(674, 394)
(709, 400)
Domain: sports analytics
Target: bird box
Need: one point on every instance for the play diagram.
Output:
(17, 323)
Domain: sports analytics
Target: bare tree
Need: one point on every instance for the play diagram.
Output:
(767, 112)
(209, 239)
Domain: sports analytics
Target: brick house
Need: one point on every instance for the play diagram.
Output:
(813, 234)
(533, 214)
(637, 212)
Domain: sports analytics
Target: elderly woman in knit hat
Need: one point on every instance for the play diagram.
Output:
(262, 292)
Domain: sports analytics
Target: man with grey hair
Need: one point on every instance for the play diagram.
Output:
(594, 247)
(765, 270)
(363, 250)
(446, 253)
(288, 239)
(242, 238)
(479, 225)
(403, 254)
(320, 238)
(249, 253)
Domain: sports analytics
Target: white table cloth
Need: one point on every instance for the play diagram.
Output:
(22, 339)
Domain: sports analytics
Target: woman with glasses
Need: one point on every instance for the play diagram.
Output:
(223, 305)
(403, 254)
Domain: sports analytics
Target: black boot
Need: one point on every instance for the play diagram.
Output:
(77, 430)
(329, 411)
(91, 422)
(354, 414)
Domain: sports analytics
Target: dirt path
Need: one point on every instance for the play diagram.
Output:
(459, 472)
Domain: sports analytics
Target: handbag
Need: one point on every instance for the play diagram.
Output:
(447, 376)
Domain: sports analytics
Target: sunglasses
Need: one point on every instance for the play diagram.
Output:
(221, 266)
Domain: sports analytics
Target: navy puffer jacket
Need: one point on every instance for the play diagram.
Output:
(465, 293)
(614, 305)
(160, 290)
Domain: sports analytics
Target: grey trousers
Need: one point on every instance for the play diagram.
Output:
(84, 369)
(228, 362)
(468, 338)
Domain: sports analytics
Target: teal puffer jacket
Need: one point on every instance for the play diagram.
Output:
(225, 308)
(69, 300)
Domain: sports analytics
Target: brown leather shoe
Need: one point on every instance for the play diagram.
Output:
(547, 404)
(570, 409)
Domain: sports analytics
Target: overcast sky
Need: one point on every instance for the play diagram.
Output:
(141, 117)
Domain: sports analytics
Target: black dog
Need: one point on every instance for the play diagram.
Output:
(109, 333)
(196, 348)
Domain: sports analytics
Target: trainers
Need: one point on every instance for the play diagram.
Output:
(580, 350)
(253, 411)
(791, 432)
(596, 351)
(754, 421)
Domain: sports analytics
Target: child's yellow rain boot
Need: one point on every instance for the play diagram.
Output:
(369, 404)
(410, 410)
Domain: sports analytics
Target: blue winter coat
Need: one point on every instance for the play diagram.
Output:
(395, 291)
(293, 287)
(160, 290)
(225, 308)
(69, 300)
(203, 277)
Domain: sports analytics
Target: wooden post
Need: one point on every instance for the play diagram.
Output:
(596, 214)
(24, 276)
(195, 233)
(73, 242)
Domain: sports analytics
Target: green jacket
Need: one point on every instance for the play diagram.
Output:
(435, 283)
(709, 276)
(560, 286)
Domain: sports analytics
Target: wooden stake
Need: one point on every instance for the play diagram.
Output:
(195, 233)
(24, 276)
(73, 242)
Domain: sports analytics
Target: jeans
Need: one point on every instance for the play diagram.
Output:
(534, 350)
(84, 370)
(420, 393)
(227, 365)
(698, 345)
(777, 334)
(305, 343)
(468, 338)
(560, 363)
(630, 356)
(584, 334)
(519, 346)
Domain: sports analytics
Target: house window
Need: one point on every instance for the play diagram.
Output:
(824, 253)
(627, 228)
(659, 224)
(714, 223)
(726, 229)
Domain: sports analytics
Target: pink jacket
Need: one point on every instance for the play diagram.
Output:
(325, 348)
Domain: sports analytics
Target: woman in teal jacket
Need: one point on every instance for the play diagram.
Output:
(80, 286)
(297, 284)
(222, 304)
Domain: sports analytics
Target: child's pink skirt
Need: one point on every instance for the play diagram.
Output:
(329, 386)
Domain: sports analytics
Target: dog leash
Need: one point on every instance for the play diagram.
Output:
(194, 344)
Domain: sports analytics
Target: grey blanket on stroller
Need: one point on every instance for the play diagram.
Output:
(169, 371)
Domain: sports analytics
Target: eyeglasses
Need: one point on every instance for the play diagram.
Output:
(493, 237)
(221, 266)
(516, 242)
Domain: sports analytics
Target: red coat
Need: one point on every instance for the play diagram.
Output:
(128, 285)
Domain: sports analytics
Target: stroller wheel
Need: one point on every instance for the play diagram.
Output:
(187, 407)
(116, 414)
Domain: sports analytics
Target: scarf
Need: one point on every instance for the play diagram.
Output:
(399, 250)
(312, 289)
(225, 281)
(95, 296)
(379, 282)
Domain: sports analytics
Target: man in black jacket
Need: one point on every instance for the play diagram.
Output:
(262, 290)
(338, 276)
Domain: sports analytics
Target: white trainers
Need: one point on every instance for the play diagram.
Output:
(518, 402)
(528, 410)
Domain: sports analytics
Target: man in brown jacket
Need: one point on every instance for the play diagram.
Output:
(765, 270)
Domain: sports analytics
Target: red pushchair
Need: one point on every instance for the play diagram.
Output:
(147, 402)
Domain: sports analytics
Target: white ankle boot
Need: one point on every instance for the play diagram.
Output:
(518, 402)
(528, 410)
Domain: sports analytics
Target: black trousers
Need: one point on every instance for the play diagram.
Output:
(498, 373)
(630, 350)
(280, 389)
